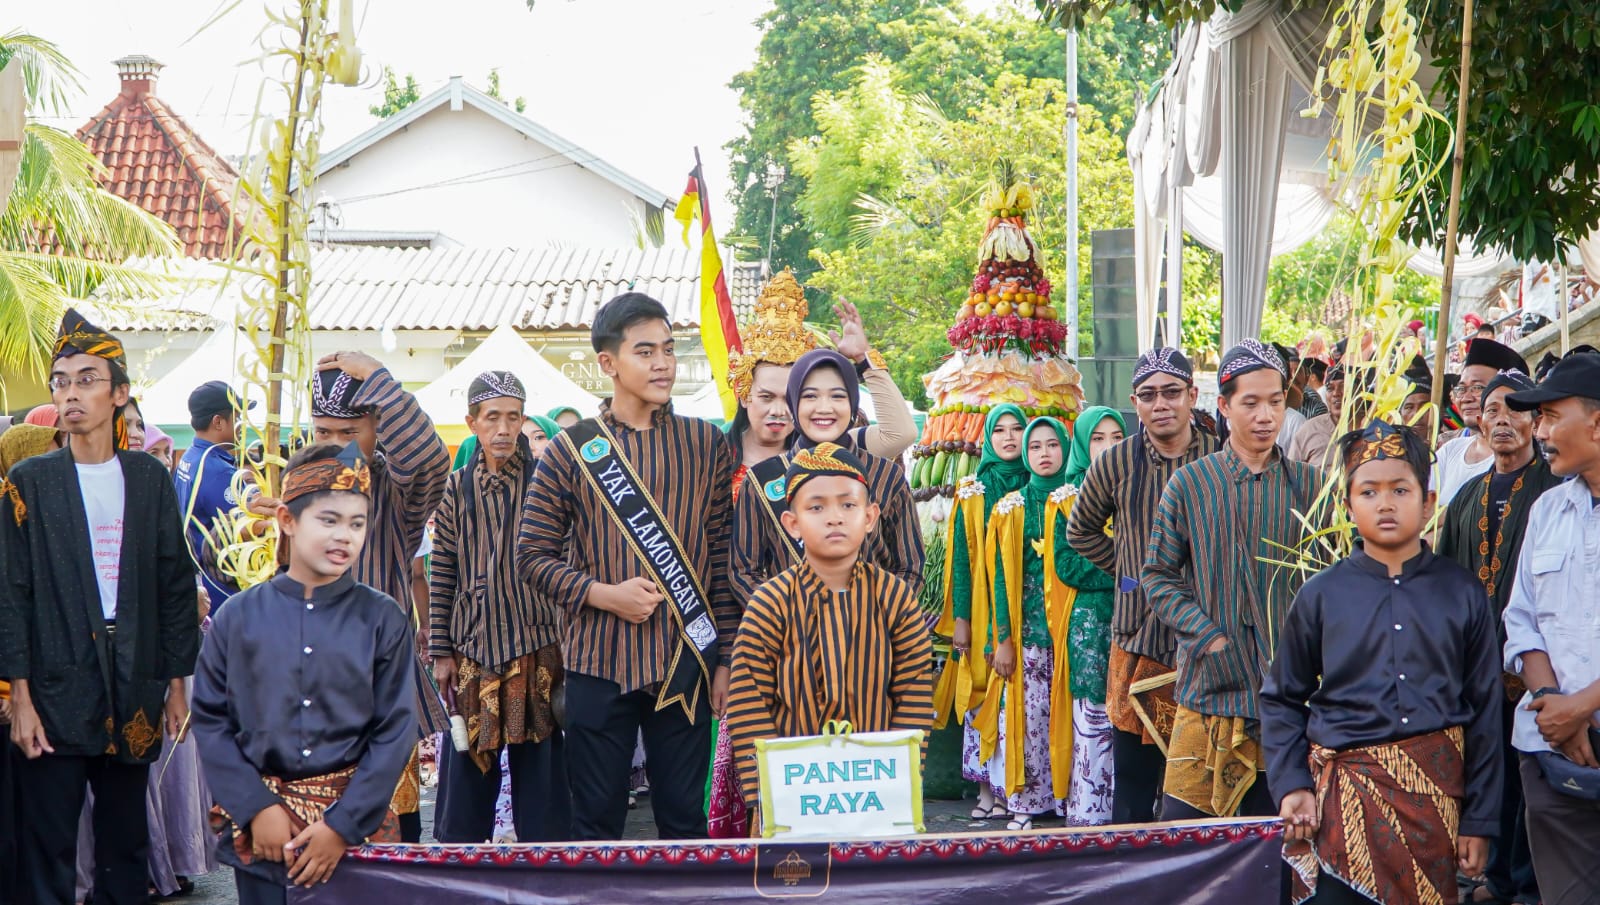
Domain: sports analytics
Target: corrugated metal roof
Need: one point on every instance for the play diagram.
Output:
(371, 288)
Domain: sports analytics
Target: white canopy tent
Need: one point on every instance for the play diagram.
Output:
(224, 355)
(445, 399)
(1223, 149)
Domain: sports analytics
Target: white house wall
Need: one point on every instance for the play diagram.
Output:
(505, 189)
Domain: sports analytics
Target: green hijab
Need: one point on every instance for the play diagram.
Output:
(1040, 486)
(556, 412)
(547, 425)
(998, 476)
(1078, 460)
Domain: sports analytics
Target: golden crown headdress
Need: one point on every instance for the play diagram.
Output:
(777, 336)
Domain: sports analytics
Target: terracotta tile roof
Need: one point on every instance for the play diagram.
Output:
(156, 161)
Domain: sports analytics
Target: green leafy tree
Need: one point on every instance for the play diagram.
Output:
(396, 95)
(941, 51)
(520, 104)
(915, 250)
(57, 195)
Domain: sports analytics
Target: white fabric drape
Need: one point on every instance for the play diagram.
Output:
(1302, 213)
(1255, 108)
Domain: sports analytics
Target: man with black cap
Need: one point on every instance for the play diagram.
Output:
(1419, 392)
(1552, 632)
(1123, 488)
(495, 641)
(1210, 576)
(204, 481)
(1468, 455)
(97, 627)
(354, 399)
(1483, 530)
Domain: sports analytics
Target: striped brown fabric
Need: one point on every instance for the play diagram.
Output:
(1123, 490)
(761, 552)
(478, 604)
(686, 466)
(408, 480)
(807, 655)
(1206, 577)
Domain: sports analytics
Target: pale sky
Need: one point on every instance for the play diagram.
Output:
(638, 82)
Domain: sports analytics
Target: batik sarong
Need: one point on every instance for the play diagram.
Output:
(1390, 815)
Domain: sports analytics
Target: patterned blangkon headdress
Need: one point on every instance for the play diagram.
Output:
(777, 336)
(1249, 355)
(820, 460)
(1378, 440)
(494, 385)
(347, 471)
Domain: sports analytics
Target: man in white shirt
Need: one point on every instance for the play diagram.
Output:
(1553, 637)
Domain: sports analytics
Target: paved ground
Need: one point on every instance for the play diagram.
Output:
(941, 817)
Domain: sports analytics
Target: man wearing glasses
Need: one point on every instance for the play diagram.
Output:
(1469, 455)
(97, 627)
(1124, 487)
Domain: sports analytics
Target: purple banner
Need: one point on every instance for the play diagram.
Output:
(1233, 862)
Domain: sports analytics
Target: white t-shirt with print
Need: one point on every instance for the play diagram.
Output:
(103, 497)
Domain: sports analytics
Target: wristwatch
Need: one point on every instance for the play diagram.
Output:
(1548, 689)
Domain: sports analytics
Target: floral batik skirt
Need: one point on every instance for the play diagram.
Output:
(1089, 798)
(1036, 795)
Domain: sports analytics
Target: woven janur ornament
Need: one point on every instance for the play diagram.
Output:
(777, 336)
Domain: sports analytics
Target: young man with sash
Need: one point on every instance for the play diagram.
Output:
(1123, 489)
(98, 627)
(626, 527)
(1483, 531)
(1223, 521)
(354, 399)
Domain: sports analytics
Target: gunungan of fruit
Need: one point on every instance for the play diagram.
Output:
(983, 309)
(1003, 309)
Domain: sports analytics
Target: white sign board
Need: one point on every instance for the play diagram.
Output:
(865, 784)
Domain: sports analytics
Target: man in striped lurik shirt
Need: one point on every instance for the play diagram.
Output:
(494, 641)
(1122, 490)
(1207, 575)
(635, 658)
(354, 399)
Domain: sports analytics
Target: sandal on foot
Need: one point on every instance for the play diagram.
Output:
(1021, 823)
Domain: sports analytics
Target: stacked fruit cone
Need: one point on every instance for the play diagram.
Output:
(1008, 346)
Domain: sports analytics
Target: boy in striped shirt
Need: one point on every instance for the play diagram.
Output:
(834, 637)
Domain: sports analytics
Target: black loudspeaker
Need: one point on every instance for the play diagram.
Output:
(1107, 376)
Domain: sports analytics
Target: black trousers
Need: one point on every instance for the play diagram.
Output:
(1510, 871)
(1333, 891)
(1258, 802)
(10, 890)
(602, 727)
(50, 792)
(541, 803)
(255, 891)
(1139, 768)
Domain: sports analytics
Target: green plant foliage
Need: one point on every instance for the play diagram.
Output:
(1532, 137)
(941, 51)
(397, 96)
(57, 194)
(911, 263)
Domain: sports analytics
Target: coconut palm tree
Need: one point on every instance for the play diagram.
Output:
(61, 234)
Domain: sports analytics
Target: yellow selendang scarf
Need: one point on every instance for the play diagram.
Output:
(961, 685)
(1005, 541)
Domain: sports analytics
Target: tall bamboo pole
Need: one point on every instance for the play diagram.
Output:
(1071, 312)
(1447, 284)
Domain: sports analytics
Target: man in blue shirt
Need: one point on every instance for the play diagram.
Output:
(204, 479)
